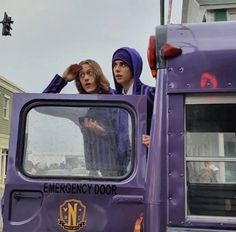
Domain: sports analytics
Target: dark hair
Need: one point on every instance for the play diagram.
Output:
(100, 79)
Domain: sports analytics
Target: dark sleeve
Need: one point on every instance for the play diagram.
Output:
(150, 102)
(104, 117)
(111, 91)
(56, 85)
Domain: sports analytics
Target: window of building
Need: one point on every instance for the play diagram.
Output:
(3, 163)
(232, 14)
(220, 15)
(210, 146)
(6, 107)
(78, 141)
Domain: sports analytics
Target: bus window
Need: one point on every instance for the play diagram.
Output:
(210, 148)
(77, 142)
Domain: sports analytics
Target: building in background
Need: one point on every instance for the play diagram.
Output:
(6, 92)
(195, 11)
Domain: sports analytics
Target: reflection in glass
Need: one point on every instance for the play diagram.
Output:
(77, 141)
(210, 145)
(211, 172)
(210, 131)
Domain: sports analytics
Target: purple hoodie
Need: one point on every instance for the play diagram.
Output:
(132, 58)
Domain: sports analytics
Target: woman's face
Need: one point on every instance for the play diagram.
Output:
(122, 72)
(87, 79)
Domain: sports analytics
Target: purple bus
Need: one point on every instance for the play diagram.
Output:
(185, 182)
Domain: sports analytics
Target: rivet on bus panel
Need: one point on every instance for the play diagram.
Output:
(171, 85)
(181, 69)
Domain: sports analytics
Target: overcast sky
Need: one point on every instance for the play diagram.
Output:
(49, 35)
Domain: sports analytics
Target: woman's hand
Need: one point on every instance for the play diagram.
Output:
(71, 72)
(94, 126)
(146, 140)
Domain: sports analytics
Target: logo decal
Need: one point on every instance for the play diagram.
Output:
(72, 215)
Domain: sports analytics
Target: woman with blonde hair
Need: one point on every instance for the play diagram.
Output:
(88, 77)
(100, 125)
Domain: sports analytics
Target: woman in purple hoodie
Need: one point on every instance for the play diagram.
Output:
(127, 67)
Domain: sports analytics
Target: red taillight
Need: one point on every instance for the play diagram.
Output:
(151, 55)
(170, 51)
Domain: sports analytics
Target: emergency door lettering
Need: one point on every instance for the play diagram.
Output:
(72, 215)
(80, 189)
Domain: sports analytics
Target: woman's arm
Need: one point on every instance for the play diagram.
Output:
(56, 85)
(58, 82)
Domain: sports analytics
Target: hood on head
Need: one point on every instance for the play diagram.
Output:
(132, 58)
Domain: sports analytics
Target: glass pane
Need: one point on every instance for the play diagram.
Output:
(211, 188)
(6, 103)
(77, 141)
(211, 118)
(211, 130)
(211, 172)
(221, 15)
(232, 16)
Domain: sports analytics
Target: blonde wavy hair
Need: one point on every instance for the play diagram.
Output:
(100, 79)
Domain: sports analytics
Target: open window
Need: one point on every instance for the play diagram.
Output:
(210, 154)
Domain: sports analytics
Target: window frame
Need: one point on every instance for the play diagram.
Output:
(232, 14)
(220, 15)
(6, 107)
(71, 103)
(209, 99)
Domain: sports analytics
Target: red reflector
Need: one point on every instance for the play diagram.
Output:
(151, 55)
(208, 80)
(170, 51)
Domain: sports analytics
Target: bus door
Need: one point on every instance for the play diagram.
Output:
(76, 163)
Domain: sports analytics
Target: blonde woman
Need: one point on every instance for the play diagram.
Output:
(100, 125)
